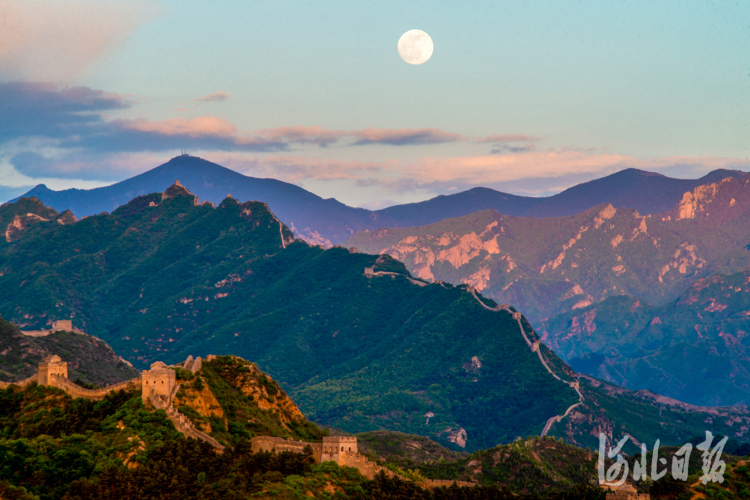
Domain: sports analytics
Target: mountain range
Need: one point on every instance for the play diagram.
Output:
(551, 265)
(695, 348)
(346, 333)
(565, 272)
(329, 222)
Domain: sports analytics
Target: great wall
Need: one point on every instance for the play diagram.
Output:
(535, 347)
(343, 451)
(159, 386)
(625, 492)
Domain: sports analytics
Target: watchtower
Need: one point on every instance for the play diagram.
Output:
(63, 324)
(334, 446)
(52, 365)
(159, 379)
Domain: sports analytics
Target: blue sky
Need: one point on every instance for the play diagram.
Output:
(528, 97)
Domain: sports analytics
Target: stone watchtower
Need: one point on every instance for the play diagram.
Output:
(159, 379)
(333, 446)
(52, 365)
(63, 324)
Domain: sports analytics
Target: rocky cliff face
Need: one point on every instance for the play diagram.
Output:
(230, 398)
(695, 348)
(717, 203)
(554, 265)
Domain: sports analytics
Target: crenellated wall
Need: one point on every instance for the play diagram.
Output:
(159, 387)
(77, 391)
(270, 443)
(20, 383)
(331, 450)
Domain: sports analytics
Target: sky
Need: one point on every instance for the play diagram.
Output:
(528, 97)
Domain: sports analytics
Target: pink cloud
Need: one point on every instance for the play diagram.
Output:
(193, 127)
(442, 173)
(495, 169)
(57, 41)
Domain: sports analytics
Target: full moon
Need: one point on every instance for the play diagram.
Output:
(415, 47)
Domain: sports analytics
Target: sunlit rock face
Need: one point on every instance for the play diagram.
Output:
(548, 266)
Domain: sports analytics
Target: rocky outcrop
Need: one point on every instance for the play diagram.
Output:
(180, 421)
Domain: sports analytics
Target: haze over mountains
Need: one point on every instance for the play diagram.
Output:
(327, 221)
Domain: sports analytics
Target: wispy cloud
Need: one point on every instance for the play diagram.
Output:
(499, 138)
(215, 97)
(206, 99)
(405, 136)
(57, 41)
(384, 136)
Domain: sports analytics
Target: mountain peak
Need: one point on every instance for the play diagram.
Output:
(178, 189)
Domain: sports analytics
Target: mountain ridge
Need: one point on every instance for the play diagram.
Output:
(547, 266)
(328, 221)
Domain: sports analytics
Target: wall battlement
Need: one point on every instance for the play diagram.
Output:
(330, 450)
(159, 386)
(62, 324)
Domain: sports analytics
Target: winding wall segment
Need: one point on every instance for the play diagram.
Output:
(535, 347)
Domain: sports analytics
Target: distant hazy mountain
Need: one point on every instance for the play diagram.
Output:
(547, 266)
(455, 205)
(327, 221)
(695, 349)
(305, 213)
(646, 192)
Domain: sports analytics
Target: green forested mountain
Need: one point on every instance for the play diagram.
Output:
(163, 277)
(90, 360)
